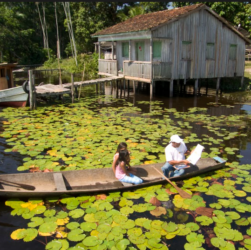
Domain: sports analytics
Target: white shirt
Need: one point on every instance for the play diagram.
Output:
(175, 154)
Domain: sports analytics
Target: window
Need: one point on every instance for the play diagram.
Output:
(232, 51)
(157, 49)
(125, 49)
(210, 51)
(186, 50)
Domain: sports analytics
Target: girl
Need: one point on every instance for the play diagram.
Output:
(122, 173)
(121, 146)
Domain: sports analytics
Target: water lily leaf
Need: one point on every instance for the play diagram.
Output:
(104, 228)
(193, 226)
(122, 244)
(91, 241)
(57, 245)
(126, 210)
(131, 195)
(47, 227)
(61, 215)
(36, 221)
(233, 215)
(125, 202)
(193, 246)
(128, 224)
(18, 234)
(218, 242)
(72, 225)
(88, 226)
(76, 235)
(49, 213)
(134, 231)
(158, 211)
(77, 213)
(153, 242)
(137, 240)
(193, 237)
(169, 227)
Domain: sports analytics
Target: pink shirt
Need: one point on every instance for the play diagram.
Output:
(119, 173)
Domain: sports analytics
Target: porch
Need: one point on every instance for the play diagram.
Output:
(144, 71)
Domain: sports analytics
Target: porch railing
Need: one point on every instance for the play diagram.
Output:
(109, 67)
(142, 69)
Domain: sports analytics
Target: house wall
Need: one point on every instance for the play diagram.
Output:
(4, 83)
(201, 28)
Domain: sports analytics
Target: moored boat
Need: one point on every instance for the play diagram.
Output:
(10, 95)
(13, 97)
(90, 180)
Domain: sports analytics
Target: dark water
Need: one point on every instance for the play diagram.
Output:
(10, 161)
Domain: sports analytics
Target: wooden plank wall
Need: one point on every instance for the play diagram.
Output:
(201, 28)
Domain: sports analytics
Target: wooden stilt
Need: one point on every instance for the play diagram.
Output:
(151, 90)
(242, 81)
(171, 88)
(154, 87)
(207, 87)
(34, 92)
(124, 86)
(195, 87)
(134, 89)
(72, 88)
(111, 87)
(217, 85)
(128, 87)
(121, 88)
(31, 88)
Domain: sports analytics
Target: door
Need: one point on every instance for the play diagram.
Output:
(140, 51)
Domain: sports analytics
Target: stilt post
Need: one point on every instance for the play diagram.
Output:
(72, 88)
(217, 85)
(171, 88)
(196, 87)
(134, 89)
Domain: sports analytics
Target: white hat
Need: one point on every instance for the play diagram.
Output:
(176, 138)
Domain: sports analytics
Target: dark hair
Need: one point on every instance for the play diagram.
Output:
(120, 146)
(123, 156)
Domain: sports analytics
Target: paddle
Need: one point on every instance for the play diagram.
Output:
(25, 186)
(182, 193)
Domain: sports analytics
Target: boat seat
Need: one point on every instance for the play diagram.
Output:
(59, 181)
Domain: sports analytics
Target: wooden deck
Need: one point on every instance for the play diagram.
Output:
(51, 89)
(95, 81)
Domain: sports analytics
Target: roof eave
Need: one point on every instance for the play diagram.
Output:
(122, 33)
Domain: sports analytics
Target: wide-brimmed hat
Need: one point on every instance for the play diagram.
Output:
(175, 138)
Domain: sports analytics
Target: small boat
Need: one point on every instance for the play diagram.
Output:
(13, 97)
(90, 180)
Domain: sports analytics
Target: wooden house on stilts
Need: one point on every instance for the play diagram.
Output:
(191, 42)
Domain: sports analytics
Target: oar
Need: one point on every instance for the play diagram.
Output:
(25, 186)
(182, 193)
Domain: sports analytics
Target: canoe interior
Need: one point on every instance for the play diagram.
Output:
(90, 180)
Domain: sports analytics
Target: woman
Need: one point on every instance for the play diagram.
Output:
(121, 171)
(121, 146)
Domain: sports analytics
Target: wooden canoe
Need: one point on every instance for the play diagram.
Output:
(90, 180)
